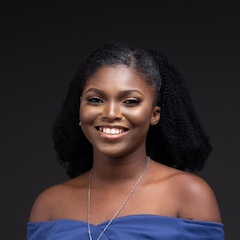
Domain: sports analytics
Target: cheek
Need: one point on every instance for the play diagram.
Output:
(139, 116)
(87, 115)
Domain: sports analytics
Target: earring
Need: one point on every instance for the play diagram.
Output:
(80, 122)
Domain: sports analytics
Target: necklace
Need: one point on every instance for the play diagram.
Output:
(121, 207)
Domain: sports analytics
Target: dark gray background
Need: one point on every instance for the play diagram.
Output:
(42, 45)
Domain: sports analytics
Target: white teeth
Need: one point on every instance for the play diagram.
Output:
(111, 131)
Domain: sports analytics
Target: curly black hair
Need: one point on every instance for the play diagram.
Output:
(178, 140)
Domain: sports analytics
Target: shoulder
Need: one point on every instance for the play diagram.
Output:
(197, 201)
(191, 196)
(45, 202)
(50, 201)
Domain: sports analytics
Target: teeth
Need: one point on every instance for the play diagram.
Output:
(111, 131)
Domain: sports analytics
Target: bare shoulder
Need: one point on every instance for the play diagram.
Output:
(188, 195)
(41, 207)
(50, 200)
(197, 199)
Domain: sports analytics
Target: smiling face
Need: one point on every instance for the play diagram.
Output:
(116, 111)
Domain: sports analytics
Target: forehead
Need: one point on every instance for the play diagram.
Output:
(116, 77)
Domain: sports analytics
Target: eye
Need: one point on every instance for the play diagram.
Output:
(95, 100)
(132, 101)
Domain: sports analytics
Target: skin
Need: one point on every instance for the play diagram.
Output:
(118, 99)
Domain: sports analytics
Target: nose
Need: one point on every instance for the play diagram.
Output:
(111, 112)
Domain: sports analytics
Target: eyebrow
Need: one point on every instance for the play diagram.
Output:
(96, 90)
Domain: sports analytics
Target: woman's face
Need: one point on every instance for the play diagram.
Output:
(116, 111)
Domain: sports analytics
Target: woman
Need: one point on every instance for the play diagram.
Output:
(129, 138)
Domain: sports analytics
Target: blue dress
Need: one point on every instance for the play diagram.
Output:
(133, 227)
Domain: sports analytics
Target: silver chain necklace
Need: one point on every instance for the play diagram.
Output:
(121, 207)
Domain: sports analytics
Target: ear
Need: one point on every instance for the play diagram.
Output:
(155, 115)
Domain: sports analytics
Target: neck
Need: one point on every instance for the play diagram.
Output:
(118, 169)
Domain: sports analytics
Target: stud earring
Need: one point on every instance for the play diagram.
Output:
(80, 122)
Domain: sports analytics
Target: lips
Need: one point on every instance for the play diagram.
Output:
(112, 130)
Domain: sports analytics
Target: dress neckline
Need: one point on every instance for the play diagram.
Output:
(130, 216)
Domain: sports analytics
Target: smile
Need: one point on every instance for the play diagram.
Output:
(111, 131)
